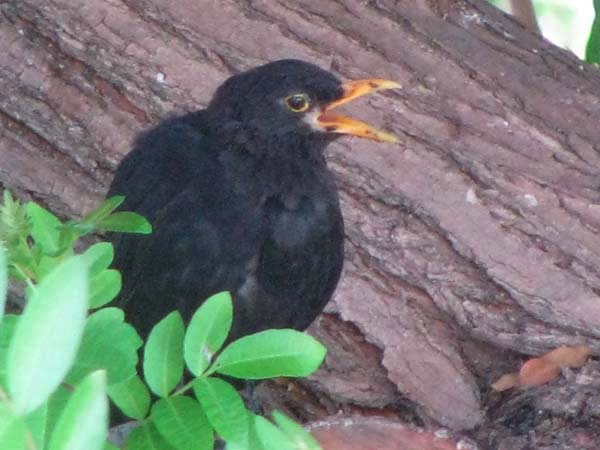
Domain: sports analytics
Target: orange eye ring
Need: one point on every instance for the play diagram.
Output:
(297, 102)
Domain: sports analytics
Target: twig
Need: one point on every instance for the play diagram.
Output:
(524, 12)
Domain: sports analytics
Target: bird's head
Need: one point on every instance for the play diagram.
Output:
(295, 98)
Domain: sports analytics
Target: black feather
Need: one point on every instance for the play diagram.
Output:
(240, 199)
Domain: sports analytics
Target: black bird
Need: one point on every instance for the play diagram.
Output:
(240, 199)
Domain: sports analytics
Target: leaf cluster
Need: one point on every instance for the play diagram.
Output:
(67, 353)
(180, 420)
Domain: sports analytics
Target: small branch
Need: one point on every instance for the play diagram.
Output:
(524, 12)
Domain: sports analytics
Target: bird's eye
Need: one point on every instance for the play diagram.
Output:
(297, 102)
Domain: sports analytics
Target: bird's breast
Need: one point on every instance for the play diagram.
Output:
(309, 219)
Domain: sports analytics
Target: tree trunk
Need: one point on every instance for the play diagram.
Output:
(471, 243)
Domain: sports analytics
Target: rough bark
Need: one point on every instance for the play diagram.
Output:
(471, 243)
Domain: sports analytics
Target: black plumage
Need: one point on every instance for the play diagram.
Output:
(240, 199)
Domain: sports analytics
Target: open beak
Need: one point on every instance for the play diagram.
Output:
(335, 123)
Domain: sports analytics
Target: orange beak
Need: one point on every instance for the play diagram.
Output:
(335, 123)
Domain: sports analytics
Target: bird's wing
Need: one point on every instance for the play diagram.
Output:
(167, 179)
(187, 258)
(162, 162)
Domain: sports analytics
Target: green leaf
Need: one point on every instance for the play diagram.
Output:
(109, 446)
(84, 422)
(271, 437)
(3, 281)
(7, 329)
(592, 49)
(207, 331)
(48, 335)
(243, 445)
(56, 405)
(300, 438)
(251, 442)
(270, 354)
(163, 355)
(104, 287)
(13, 432)
(125, 222)
(45, 228)
(47, 264)
(104, 210)
(108, 343)
(183, 424)
(223, 407)
(146, 437)
(132, 397)
(36, 423)
(70, 231)
(98, 257)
